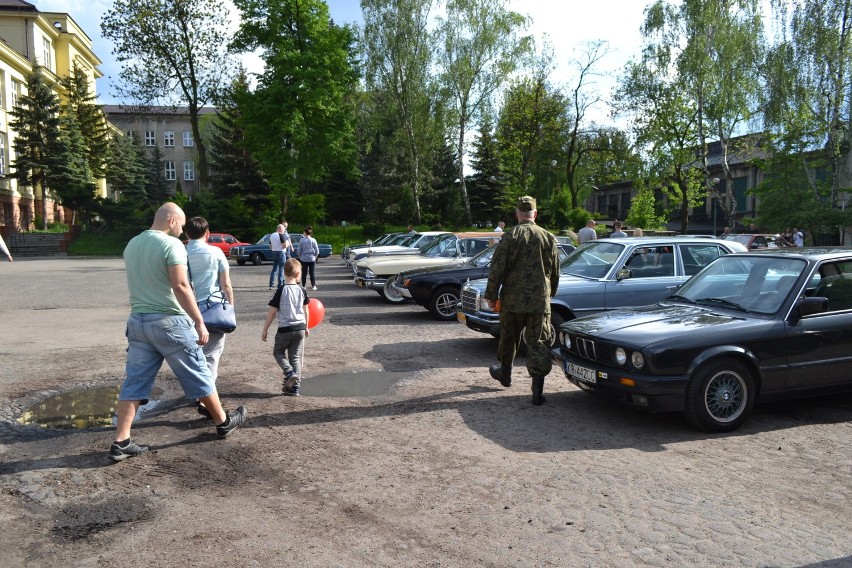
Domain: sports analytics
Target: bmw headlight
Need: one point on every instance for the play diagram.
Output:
(565, 340)
(369, 273)
(637, 359)
(620, 356)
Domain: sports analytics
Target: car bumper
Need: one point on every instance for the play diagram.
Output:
(490, 326)
(371, 283)
(402, 291)
(656, 394)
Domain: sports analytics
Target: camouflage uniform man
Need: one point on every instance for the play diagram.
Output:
(525, 273)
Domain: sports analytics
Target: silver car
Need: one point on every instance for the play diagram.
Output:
(607, 274)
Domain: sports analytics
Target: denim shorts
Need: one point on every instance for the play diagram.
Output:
(153, 338)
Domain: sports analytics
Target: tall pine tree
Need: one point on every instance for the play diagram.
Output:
(36, 120)
(487, 185)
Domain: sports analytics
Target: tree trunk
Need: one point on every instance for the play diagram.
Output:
(462, 186)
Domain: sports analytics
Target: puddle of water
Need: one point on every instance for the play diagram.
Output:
(353, 384)
(88, 408)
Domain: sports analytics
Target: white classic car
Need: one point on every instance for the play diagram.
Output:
(378, 272)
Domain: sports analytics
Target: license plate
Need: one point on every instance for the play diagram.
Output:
(461, 317)
(581, 373)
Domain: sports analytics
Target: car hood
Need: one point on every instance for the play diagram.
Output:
(396, 264)
(439, 269)
(649, 324)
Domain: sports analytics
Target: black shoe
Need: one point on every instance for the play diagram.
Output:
(132, 449)
(538, 391)
(501, 375)
(236, 417)
(203, 411)
(292, 391)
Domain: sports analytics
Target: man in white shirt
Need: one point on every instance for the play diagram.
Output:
(587, 233)
(279, 242)
(499, 227)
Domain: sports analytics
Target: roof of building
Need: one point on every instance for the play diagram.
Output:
(18, 5)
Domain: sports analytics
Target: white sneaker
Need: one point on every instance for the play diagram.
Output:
(313, 287)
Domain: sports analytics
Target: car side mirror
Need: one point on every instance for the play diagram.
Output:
(812, 305)
(623, 274)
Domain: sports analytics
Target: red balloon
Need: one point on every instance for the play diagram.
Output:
(316, 311)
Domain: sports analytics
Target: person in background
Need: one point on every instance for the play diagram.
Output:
(500, 226)
(616, 231)
(798, 238)
(288, 305)
(411, 229)
(637, 232)
(308, 253)
(587, 233)
(164, 324)
(524, 276)
(4, 249)
(279, 242)
(209, 272)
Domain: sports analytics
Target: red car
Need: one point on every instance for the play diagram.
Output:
(224, 241)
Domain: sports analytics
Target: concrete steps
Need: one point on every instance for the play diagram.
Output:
(38, 244)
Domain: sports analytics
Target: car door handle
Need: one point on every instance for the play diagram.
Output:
(675, 287)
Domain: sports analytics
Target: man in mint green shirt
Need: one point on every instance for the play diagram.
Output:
(164, 325)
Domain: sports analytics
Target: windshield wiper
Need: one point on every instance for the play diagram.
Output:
(724, 302)
(679, 298)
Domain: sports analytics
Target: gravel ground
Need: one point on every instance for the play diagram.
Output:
(445, 469)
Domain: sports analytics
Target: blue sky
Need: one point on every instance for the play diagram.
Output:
(566, 25)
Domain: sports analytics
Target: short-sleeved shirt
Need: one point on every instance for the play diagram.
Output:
(276, 241)
(206, 263)
(524, 270)
(290, 301)
(586, 234)
(147, 258)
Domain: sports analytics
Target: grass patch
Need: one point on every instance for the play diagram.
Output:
(91, 243)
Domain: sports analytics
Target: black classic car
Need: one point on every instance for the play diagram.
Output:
(750, 327)
(438, 289)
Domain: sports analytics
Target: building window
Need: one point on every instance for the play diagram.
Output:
(46, 51)
(2, 153)
(150, 138)
(16, 92)
(189, 171)
(170, 170)
(169, 138)
(188, 142)
(3, 98)
(130, 134)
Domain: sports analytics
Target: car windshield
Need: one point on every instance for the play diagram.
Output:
(742, 239)
(592, 260)
(483, 258)
(443, 246)
(745, 283)
(264, 240)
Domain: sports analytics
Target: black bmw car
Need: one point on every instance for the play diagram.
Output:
(438, 288)
(749, 327)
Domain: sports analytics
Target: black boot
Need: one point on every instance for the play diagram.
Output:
(502, 374)
(538, 390)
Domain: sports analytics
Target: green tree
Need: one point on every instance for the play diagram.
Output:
(806, 108)
(125, 169)
(157, 187)
(528, 131)
(643, 212)
(300, 120)
(236, 176)
(398, 56)
(70, 175)
(480, 48)
(80, 101)
(36, 120)
(171, 51)
(487, 184)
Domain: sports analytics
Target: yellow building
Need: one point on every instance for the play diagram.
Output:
(29, 39)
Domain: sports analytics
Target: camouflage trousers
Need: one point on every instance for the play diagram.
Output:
(537, 335)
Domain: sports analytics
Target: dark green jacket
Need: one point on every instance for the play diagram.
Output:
(524, 270)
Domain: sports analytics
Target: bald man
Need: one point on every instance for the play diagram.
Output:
(164, 325)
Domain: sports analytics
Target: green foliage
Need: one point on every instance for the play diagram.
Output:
(80, 102)
(35, 118)
(307, 209)
(171, 51)
(643, 212)
(304, 96)
(577, 218)
(70, 174)
(92, 242)
(486, 187)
